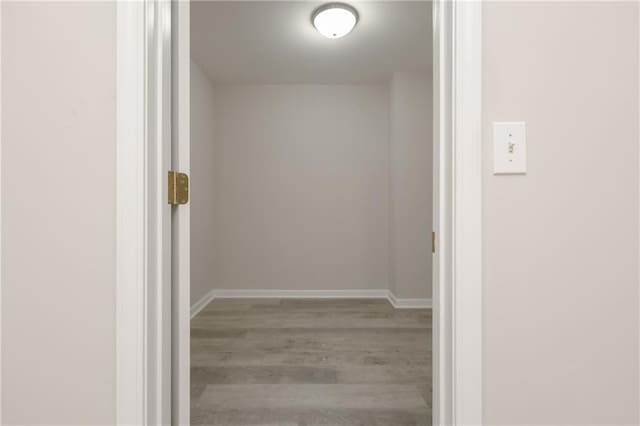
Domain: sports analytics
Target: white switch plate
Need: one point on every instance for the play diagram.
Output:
(509, 148)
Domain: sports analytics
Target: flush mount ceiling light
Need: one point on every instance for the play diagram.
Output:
(334, 20)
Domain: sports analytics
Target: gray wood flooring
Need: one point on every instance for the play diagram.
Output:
(295, 362)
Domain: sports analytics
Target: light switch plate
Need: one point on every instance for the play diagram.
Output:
(509, 148)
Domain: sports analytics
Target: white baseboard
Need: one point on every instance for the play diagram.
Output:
(413, 303)
(301, 294)
(310, 294)
(200, 304)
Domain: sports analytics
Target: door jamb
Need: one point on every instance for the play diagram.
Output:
(458, 309)
(1, 215)
(181, 267)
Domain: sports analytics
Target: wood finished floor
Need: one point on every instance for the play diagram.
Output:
(295, 362)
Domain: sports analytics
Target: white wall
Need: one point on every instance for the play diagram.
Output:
(301, 187)
(58, 212)
(561, 243)
(202, 180)
(411, 180)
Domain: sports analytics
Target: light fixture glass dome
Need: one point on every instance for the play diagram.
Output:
(334, 20)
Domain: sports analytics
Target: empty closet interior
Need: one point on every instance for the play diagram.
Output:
(311, 214)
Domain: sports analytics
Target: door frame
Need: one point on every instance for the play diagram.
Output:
(460, 287)
(141, 351)
(143, 217)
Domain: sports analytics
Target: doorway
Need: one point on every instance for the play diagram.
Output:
(311, 215)
(153, 242)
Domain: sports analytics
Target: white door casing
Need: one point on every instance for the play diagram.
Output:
(143, 238)
(466, 197)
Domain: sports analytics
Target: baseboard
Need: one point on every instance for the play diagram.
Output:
(413, 303)
(397, 303)
(200, 304)
(301, 294)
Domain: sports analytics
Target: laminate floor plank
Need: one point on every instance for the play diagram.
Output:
(312, 396)
(302, 343)
(310, 362)
(308, 417)
(270, 319)
(346, 358)
(323, 374)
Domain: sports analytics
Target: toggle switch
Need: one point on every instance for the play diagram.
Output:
(509, 148)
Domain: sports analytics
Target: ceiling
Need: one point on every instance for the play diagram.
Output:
(275, 42)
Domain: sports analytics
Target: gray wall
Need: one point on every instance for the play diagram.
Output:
(202, 180)
(58, 213)
(561, 243)
(312, 187)
(411, 181)
(300, 187)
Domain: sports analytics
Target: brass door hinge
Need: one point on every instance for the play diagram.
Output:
(178, 188)
(433, 242)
